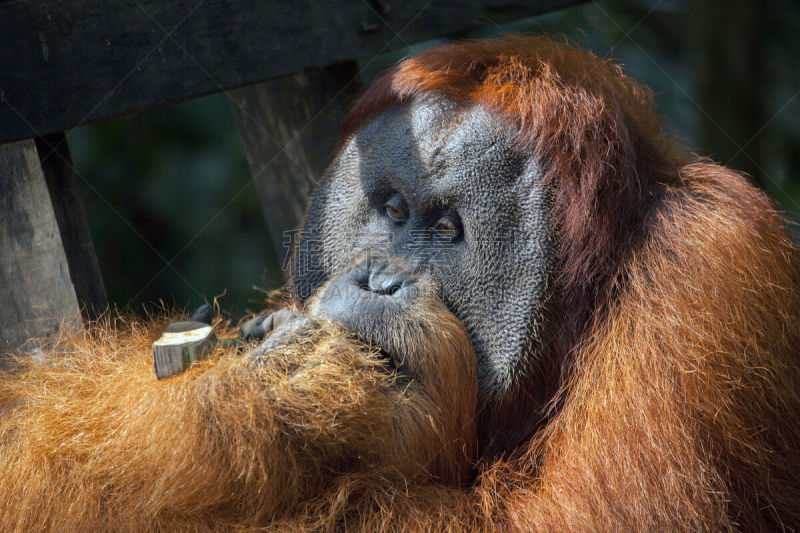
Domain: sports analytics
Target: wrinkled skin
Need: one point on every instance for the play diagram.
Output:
(381, 302)
(491, 259)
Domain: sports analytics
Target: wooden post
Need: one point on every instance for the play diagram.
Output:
(37, 296)
(70, 215)
(289, 129)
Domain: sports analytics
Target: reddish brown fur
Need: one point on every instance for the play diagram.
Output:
(676, 362)
(603, 149)
(593, 129)
(670, 388)
(680, 411)
(91, 441)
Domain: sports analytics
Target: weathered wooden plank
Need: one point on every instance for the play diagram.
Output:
(74, 61)
(65, 197)
(36, 290)
(288, 127)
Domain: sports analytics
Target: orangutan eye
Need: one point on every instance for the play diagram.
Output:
(448, 227)
(396, 209)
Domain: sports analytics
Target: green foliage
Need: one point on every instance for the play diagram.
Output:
(172, 210)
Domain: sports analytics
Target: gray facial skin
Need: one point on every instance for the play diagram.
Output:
(439, 158)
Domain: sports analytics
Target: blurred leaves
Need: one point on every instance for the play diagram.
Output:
(173, 183)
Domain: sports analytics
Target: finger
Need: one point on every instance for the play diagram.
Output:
(254, 329)
(202, 314)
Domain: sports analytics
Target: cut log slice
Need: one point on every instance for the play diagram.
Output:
(181, 344)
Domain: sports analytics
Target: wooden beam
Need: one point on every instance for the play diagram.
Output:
(65, 197)
(70, 62)
(36, 290)
(289, 128)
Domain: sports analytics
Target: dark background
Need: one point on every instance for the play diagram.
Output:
(175, 218)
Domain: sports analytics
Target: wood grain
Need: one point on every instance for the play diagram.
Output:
(289, 128)
(37, 296)
(71, 62)
(65, 197)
